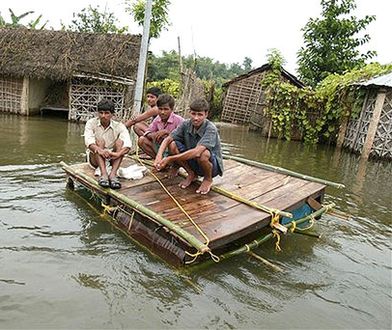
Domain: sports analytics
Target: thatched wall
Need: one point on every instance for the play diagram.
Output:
(244, 98)
(60, 54)
(11, 95)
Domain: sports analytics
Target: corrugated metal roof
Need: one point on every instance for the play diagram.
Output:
(384, 80)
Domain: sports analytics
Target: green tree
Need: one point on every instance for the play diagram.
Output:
(206, 68)
(332, 42)
(163, 67)
(91, 19)
(159, 15)
(247, 64)
(16, 21)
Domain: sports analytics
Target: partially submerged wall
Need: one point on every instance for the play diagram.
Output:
(371, 133)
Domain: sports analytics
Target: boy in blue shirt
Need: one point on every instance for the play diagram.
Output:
(194, 145)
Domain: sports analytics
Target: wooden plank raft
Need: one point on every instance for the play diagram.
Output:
(147, 213)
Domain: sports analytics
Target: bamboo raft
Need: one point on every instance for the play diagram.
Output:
(249, 204)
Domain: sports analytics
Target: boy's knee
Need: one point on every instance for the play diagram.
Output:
(205, 155)
(173, 148)
(118, 144)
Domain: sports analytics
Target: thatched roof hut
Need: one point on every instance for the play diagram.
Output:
(58, 55)
(244, 97)
(35, 63)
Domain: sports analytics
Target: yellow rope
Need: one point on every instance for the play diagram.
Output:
(311, 223)
(214, 257)
(293, 226)
(108, 209)
(274, 218)
(207, 240)
(277, 243)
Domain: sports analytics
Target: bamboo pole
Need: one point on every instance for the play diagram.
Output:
(265, 261)
(307, 233)
(341, 215)
(189, 238)
(255, 243)
(284, 171)
(255, 205)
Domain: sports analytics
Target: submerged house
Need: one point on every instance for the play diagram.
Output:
(371, 133)
(66, 71)
(244, 98)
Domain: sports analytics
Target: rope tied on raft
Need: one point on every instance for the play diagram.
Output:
(214, 257)
(311, 223)
(277, 243)
(107, 209)
(274, 218)
(293, 226)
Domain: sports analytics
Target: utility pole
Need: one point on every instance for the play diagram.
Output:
(142, 59)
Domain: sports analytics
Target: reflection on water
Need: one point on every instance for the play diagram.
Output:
(64, 266)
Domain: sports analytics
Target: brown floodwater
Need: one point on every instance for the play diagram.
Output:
(62, 265)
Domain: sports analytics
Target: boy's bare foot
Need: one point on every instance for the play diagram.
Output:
(189, 179)
(204, 187)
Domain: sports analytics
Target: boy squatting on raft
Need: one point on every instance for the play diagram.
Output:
(166, 122)
(138, 122)
(106, 140)
(194, 145)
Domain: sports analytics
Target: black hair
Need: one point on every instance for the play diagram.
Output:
(106, 105)
(199, 105)
(165, 99)
(154, 91)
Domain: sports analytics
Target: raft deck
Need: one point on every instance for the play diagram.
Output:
(222, 219)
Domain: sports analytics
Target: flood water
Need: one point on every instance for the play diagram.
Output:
(62, 265)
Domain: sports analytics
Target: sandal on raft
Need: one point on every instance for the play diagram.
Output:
(104, 182)
(115, 183)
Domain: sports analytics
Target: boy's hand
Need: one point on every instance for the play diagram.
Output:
(160, 135)
(114, 155)
(157, 160)
(162, 164)
(104, 153)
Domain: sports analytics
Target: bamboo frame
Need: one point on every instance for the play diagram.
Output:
(189, 238)
(255, 243)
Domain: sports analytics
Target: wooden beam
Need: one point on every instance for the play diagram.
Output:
(372, 129)
(24, 100)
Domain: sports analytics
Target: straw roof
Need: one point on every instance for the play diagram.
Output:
(60, 54)
(293, 79)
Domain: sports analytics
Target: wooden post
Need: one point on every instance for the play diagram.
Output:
(24, 100)
(179, 55)
(371, 133)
